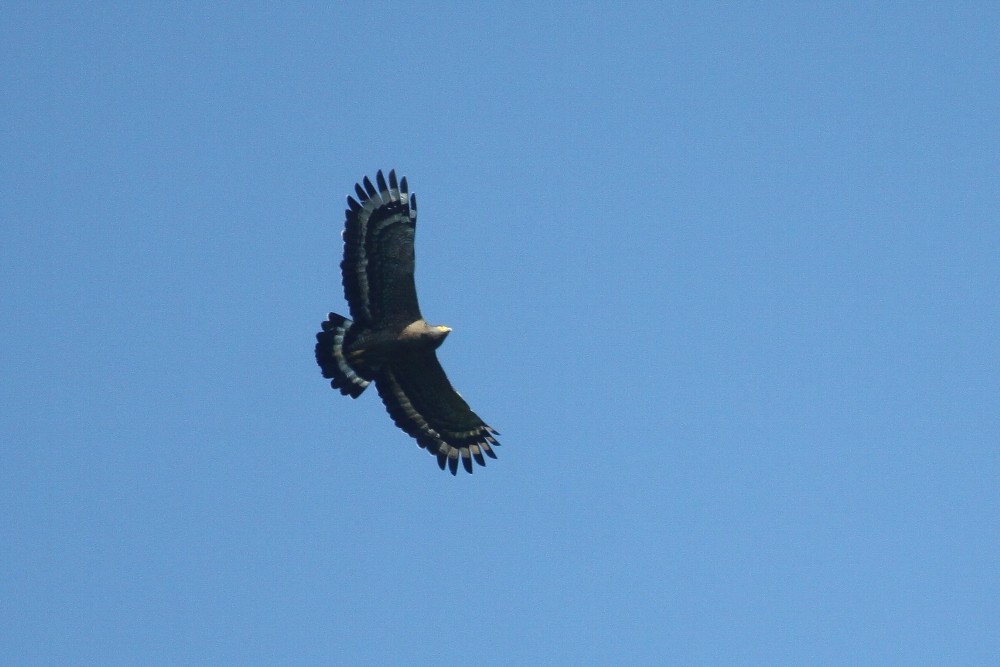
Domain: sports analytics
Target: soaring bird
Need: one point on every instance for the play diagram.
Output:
(388, 342)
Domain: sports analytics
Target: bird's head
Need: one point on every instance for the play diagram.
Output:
(438, 334)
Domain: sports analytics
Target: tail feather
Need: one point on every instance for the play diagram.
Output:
(332, 360)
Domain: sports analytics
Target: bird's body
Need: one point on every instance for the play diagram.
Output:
(388, 342)
(374, 348)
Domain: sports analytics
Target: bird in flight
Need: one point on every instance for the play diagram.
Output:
(388, 342)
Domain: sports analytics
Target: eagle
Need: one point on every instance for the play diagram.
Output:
(387, 341)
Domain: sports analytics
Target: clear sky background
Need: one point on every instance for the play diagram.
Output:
(725, 278)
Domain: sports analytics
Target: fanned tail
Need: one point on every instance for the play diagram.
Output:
(332, 360)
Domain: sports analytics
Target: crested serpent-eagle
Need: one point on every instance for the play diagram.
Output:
(388, 342)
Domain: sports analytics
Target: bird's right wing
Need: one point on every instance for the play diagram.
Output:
(378, 253)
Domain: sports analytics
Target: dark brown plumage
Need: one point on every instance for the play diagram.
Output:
(388, 342)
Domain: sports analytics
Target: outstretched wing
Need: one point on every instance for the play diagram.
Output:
(422, 402)
(378, 253)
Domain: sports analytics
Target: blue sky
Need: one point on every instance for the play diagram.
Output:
(724, 277)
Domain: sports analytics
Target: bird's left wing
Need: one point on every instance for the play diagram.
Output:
(422, 402)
